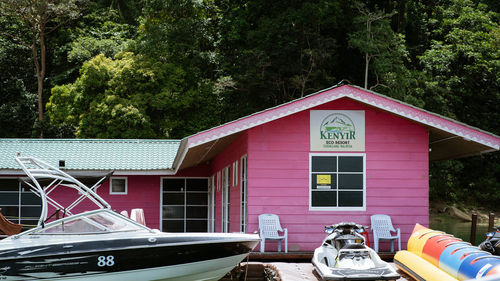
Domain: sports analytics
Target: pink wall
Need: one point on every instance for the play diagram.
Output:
(396, 174)
(226, 158)
(143, 191)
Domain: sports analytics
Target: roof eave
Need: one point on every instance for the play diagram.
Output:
(491, 142)
(181, 154)
(158, 172)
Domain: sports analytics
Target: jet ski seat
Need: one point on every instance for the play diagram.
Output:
(354, 246)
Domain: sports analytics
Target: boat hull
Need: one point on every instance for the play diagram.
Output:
(205, 270)
(149, 259)
(342, 274)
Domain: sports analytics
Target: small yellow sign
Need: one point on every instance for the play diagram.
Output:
(324, 179)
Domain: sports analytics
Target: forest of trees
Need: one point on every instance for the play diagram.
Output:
(171, 68)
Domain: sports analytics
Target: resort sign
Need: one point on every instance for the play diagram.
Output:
(337, 130)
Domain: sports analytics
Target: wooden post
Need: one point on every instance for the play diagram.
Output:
(473, 229)
(491, 222)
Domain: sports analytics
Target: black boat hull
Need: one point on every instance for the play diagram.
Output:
(113, 257)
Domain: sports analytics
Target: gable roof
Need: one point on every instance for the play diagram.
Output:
(448, 138)
(151, 156)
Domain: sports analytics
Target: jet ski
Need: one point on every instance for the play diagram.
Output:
(492, 242)
(343, 255)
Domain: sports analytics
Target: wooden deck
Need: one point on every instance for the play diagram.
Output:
(294, 266)
(283, 271)
(298, 256)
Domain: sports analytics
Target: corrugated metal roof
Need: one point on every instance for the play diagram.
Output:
(92, 154)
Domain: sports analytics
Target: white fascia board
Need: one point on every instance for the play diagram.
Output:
(165, 172)
(181, 154)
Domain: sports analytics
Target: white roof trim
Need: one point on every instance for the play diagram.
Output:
(19, 172)
(337, 93)
(258, 123)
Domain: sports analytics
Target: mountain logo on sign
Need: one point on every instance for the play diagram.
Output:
(337, 126)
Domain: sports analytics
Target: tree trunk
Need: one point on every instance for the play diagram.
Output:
(36, 14)
(41, 76)
(367, 62)
(367, 56)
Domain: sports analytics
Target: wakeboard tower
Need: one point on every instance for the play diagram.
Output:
(101, 244)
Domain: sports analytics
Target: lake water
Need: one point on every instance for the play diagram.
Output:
(458, 228)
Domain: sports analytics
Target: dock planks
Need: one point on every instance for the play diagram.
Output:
(290, 271)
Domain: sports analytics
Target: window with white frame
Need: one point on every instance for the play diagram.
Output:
(118, 185)
(211, 204)
(243, 194)
(235, 174)
(337, 181)
(226, 196)
(185, 205)
(18, 203)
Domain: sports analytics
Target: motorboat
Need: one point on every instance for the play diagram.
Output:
(343, 255)
(102, 244)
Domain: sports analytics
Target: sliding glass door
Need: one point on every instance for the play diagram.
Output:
(185, 205)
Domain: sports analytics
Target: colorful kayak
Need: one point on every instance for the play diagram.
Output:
(436, 256)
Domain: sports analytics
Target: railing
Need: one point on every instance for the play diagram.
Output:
(491, 224)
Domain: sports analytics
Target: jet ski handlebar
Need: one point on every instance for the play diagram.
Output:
(345, 226)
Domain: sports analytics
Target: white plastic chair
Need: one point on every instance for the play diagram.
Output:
(382, 228)
(124, 213)
(269, 225)
(138, 216)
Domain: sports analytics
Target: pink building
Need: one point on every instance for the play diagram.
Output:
(342, 154)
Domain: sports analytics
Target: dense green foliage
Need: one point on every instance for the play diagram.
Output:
(171, 68)
(131, 96)
(18, 88)
(33, 22)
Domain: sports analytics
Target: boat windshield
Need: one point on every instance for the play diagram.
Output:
(101, 222)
